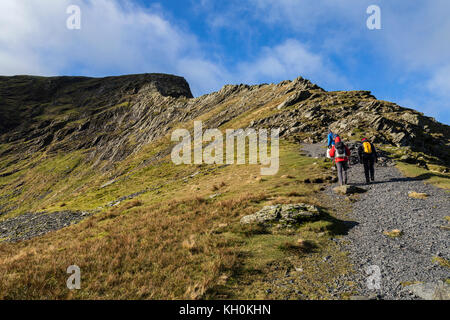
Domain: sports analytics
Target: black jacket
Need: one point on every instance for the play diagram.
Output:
(362, 155)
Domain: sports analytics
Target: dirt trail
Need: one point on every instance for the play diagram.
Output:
(386, 206)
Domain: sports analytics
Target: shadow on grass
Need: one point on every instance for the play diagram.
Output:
(243, 274)
(299, 248)
(333, 225)
(422, 177)
(429, 175)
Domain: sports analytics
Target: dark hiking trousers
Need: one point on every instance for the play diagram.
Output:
(369, 168)
(342, 167)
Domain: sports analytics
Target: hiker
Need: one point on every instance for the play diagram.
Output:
(368, 157)
(340, 152)
(331, 138)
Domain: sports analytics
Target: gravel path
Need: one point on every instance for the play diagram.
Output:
(384, 207)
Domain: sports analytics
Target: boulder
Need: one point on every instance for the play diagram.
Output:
(347, 190)
(431, 290)
(283, 213)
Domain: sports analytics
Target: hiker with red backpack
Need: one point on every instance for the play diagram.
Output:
(340, 152)
(368, 157)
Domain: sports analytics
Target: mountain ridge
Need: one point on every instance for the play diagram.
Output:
(79, 182)
(103, 122)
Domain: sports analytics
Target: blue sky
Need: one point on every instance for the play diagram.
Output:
(213, 43)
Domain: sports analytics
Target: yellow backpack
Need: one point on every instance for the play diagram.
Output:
(367, 147)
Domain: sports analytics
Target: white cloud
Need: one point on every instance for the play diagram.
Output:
(417, 35)
(203, 76)
(119, 37)
(288, 60)
(414, 42)
(440, 81)
(115, 37)
(309, 15)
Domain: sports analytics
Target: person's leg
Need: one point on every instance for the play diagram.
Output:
(372, 169)
(339, 172)
(366, 169)
(345, 168)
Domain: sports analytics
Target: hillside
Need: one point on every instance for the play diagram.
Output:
(89, 159)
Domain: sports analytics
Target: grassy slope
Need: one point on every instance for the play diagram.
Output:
(173, 241)
(177, 242)
(441, 180)
(432, 173)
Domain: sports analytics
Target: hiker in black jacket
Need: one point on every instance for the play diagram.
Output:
(368, 156)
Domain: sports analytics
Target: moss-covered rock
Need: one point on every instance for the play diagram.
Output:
(284, 214)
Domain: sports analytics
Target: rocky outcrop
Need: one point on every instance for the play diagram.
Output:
(31, 225)
(283, 214)
(348, 190)
(111, 116)
(115, 116)
(25, 97)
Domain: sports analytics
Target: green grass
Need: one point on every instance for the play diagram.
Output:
(173, 241)
(177, 231)
(441, 261)
(441, 180)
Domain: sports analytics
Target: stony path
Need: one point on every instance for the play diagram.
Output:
(386, 206)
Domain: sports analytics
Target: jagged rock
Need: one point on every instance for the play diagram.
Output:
(295, 98)
(282, 213)
(431, 290)
(400, 139)
(408, 159)
(347, 189)
(117, 115)
(411, 118)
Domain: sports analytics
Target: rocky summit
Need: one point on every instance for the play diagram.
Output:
(86, 172)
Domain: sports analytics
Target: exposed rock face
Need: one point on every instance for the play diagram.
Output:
(295, 98)
(350, 113)
(72, 113)
(284, 214)
(113, 117)
(24, 94)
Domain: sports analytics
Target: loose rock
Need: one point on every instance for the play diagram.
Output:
(348, 189)
(286, 214)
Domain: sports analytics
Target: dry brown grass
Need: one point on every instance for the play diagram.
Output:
(173, 245)
(417, 195)
(158, 252)
(393, 233)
